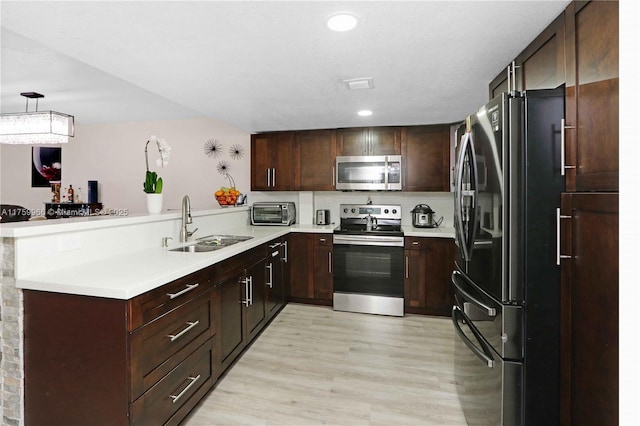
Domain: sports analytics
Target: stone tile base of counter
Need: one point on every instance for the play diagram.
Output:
(11, 340)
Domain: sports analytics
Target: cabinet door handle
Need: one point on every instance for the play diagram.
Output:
(508, 77)
(188, 288)
(330, 264)
(274, 177)
(274, 245)
(193, 380)
(558, 255)
(563, 154)
(275, 253)
(250, 290)
(286, 252)
(190, 325)
(245, 301)
(406, 266)
(270, 268)
(333, 176)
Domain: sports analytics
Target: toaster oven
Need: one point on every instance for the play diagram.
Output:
(273, 213)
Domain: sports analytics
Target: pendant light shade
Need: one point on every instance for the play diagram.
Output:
(39, 127)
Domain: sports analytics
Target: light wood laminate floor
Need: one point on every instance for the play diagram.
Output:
(315, 366)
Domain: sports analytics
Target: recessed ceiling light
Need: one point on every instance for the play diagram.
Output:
(342, 21)
(364, 113)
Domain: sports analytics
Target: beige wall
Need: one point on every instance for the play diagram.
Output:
(113, 154)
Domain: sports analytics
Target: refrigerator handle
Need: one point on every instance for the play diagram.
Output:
(474, 206)
(458, 198)
(479, 352)
(560, 256)
(514, 80)
(488, 309)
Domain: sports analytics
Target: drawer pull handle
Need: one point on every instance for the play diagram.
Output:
(415, 243)
(175, 398)
(190, 325)
(275, 253)
(275, 245)
(181, 292)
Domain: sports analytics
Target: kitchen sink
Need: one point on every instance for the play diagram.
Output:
(195, 248)
(211, 243)
(221, 240)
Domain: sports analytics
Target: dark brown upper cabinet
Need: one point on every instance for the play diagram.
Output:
(539, 66)
(425, 157)
(592, 96)
(368, 141)
(316, 159)
(273, 166)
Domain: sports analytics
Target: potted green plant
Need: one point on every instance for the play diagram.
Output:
(153, 184)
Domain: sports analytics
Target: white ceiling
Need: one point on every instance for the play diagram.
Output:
(262, 65)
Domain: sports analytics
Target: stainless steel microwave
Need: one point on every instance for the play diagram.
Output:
(276, 213)
(369, 173)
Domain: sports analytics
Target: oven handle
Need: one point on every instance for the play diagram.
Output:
(480, 353)
(488, 309)
(368, 240)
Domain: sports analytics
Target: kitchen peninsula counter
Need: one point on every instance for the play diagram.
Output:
(122, 257)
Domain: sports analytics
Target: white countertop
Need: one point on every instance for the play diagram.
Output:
(129, 275)
(444, 232)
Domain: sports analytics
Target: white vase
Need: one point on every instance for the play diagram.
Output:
(154, 203)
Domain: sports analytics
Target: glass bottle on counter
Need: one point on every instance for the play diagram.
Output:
(70, 197)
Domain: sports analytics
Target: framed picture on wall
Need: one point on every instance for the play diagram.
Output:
(46, 166)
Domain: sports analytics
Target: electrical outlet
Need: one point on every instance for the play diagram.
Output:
(69, 242)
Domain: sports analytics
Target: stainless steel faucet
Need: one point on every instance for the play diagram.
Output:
(186, 219)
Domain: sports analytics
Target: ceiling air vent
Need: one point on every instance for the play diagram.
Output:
(359, 83)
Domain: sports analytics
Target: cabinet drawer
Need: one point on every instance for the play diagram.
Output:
(323, 239)
(162, 344)
(414, 243)
(155, 303)
(175, 389)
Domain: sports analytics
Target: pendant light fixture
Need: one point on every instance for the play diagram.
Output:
(38, 127)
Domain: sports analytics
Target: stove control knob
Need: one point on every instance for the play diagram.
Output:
(346, 210)
(386, 211)
(353, 210)
(394, 211)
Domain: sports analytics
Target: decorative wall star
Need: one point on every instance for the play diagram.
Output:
(223, 167)
(236, 151)
(213, 148)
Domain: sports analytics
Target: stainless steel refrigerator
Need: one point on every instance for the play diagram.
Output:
(507, 278)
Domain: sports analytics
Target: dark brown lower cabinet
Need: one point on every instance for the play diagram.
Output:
(99, 361)
(144, 361)
(274, 287)
(589, 309)
(429, 263)
(311, 268)
(240, 284)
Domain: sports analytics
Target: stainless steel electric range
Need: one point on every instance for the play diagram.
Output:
(368, 260)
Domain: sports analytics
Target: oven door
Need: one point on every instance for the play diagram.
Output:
(368, 276)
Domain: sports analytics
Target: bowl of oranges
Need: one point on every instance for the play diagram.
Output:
(227, 196)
